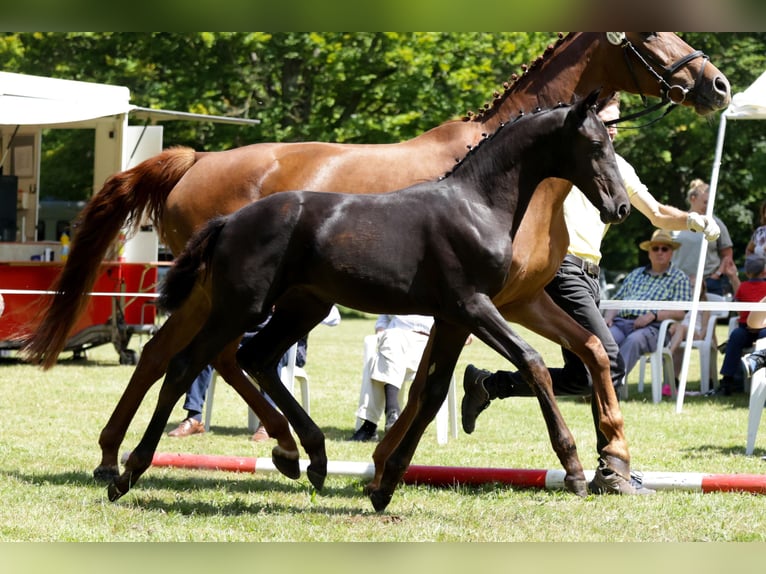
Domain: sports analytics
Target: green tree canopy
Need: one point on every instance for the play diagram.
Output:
(374, 87)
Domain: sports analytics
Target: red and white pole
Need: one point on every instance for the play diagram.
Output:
(450, 475)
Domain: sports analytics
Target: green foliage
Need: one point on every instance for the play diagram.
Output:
(375, 87)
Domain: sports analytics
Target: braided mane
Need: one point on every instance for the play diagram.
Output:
(491, 108)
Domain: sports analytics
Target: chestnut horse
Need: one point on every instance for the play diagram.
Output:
(442, 248)
(181, 189)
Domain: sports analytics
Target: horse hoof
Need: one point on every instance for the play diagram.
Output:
(105, 473)
(113, 492)
(286, 465)
(379, 500)
(316, 478)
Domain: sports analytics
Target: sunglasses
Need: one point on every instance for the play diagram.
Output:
(662, 248)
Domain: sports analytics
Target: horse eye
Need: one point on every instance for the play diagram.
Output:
(648, 35)
(597, 149)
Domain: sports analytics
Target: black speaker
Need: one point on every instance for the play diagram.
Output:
(9, 185)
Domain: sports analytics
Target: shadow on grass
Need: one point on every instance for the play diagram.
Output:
(151, 493)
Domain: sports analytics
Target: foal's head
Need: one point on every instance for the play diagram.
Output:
(587, 160)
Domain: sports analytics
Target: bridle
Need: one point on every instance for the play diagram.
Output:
(671, 95)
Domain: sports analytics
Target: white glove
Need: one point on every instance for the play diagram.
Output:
(705, 224)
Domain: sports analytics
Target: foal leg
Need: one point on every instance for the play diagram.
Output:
(285, 454)
(294, 316)
(182, 369)
(547, 319)
(493, 329)
(427, 393)
(172, 336)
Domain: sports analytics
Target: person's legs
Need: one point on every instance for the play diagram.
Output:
(195, 399)
(577, 293)
(637, 343)
(731, 370)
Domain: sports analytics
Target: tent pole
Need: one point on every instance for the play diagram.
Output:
(700, 269)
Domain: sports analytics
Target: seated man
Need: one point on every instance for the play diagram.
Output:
(636, 330)
(743, 336)
(401, 342)
(756, 320)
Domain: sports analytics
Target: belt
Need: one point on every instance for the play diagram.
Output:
(588, 266)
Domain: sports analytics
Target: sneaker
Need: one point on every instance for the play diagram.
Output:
(188, 427)
(666, 392)
(260, 434)
(753, 362)
(391, 417)
(366, 433)
(606, 481)
(476, 397)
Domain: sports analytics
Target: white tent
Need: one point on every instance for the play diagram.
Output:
(747, 105)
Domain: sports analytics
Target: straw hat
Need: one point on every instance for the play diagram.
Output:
(659, 237)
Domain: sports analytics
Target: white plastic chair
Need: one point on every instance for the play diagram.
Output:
(757, 402)
(661, 362)
(289, 375)
(708, 348)
(446, 418)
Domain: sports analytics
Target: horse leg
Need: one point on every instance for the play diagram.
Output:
(428, 391)
(172, 336)
(285, 453)
(547, 319)
(182, 369)
(295, 315)
(492, 328)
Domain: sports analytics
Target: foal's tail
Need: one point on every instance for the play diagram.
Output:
(122, 200)
(193, 262)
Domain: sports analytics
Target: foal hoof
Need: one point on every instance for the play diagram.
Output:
(380, 499)
(113, 492)
(105, 473)
(578, 486)
(286, 463)
(316, 478)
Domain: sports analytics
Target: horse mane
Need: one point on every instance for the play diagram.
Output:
(472, 150)
(510, 86)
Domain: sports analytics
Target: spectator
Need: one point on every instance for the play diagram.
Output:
(753, 289)
(401, 342)
(636, 330)
(757, 244)
(719, 273)
(756, 320)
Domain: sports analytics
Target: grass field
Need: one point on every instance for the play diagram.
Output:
(50, 423)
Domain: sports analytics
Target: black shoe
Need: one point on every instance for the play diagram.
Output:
(365, 433)
(476, 397)
(753, 362)
(391, 417)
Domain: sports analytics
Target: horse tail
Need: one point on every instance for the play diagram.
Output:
(122, 201)
(191, 264)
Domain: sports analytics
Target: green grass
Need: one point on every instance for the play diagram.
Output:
(50, 421)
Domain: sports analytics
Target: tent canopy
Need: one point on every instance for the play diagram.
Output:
(36, 100)
(40, 101)
(750, 104)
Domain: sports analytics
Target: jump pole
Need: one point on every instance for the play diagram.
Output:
(472, 476)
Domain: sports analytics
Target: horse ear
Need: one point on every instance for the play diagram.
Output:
(592, 99)
(583, 106)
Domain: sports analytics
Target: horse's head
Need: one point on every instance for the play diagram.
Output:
(661, 64)
(589, 162)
